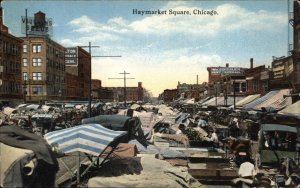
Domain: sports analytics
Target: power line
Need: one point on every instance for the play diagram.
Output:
(124, 78)
(90, 84)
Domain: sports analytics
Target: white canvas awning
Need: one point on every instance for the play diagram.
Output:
(291, 110)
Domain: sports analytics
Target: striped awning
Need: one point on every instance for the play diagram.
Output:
(278, 101)
(222, 102)
(247, 100)
(274, 99)
(88, 138)
(251, 105)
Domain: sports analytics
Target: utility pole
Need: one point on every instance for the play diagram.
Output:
(124, 78)
(90, 74)
(233, 94)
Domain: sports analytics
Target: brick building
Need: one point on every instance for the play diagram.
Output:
(228, 74)
(191, 90)
(43, 68)
(257, 79)
(295, 21)
(132, 93)
(78, 71)
(10, 64)
(170, 95)
(100, 93)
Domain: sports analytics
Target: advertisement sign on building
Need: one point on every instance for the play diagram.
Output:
(71, 56)
(37, 27)
(226, 70)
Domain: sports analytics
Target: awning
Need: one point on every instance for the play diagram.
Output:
(33, 107)
(209, 101)
(203, 100)
(291, 110)
(277, 101)
(221, 101)
(253, 104)
(89, 138)
(247, 100)
(278, 127)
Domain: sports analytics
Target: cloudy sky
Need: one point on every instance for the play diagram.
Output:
(160, 50)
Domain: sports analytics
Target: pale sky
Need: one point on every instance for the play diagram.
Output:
(160, 50)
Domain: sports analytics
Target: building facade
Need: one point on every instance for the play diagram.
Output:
(191, 90)
(258, 80)
(170, 95)
(10, 65)
(78, 73)
(226, 78)
(282, 70)
(295, 21)
(132, 93)
(43, 69)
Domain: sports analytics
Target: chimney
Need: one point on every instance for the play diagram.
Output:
(251, 63)
(140, 85)
(227, 64)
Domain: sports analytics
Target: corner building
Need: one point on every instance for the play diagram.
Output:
(43, 69)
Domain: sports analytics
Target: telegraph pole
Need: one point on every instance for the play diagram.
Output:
(124, 78)
(90, 75)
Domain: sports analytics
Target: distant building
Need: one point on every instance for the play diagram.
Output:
(170, 95)
(257, 79)
(191, 90)
(10, 65)
(100, 93)
(132, 93)
(228, 74)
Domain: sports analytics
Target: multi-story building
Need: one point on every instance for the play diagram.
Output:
(78, 69)
(282, 69)
(43, 68)
(233, 76)
(257, 79)
(43, 64)
(10, 65)
(295, 21)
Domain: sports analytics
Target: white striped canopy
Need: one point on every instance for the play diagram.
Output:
(87, 138)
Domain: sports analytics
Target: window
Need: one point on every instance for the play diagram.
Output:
(36, 48)
(37, 90)
(244, 87)
(25, 62)
(25, 76)
(36, 62)
(37, 76)
(25, 49)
